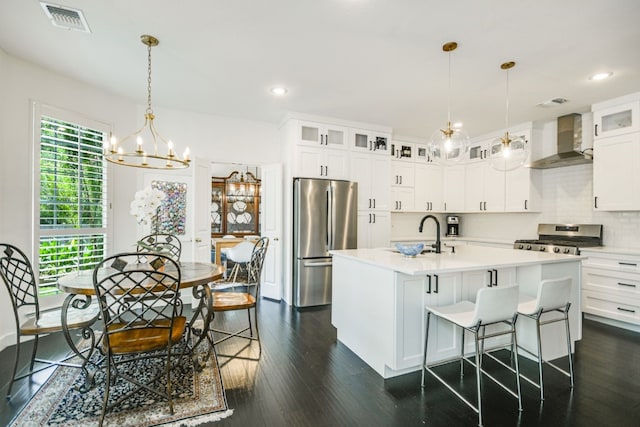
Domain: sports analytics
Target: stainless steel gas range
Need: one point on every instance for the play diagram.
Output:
(563, 238)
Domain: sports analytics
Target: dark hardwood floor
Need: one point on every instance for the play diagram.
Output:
(306, 378)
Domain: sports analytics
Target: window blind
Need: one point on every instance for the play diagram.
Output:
(73, 207)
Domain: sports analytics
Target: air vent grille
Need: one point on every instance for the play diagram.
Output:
(553, 102)
(65, 17)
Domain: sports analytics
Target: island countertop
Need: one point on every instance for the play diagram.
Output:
(465, 258)
(379, 298)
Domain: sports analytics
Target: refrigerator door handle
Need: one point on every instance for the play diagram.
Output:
(318, 264)
(329, 218)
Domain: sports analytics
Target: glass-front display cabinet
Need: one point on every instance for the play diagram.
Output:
(235, 205)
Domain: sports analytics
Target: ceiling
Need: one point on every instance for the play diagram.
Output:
(374, 61)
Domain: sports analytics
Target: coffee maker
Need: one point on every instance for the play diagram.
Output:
(453, 226)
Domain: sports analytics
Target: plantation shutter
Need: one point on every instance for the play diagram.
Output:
(73, 208)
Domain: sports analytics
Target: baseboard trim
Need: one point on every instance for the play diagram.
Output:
(612, 322)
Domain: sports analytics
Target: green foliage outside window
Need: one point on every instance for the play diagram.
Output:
(72, 199)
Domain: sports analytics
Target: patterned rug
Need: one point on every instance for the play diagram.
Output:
(198, 397)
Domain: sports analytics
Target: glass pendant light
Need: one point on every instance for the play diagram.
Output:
(450, 144)
(508, 152)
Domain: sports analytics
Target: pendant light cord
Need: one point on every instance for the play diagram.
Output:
(449, 94)
(149, 110)
(506, 116)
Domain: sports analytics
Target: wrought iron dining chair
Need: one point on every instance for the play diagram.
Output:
(141, 311)
(161, 243)
(19, 278)
(227, 298)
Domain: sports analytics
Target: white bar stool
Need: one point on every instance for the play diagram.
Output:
(553, 295)
(495, 305)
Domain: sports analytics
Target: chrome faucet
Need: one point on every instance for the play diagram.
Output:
(436, 245)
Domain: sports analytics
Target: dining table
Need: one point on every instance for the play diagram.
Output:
(80, 295)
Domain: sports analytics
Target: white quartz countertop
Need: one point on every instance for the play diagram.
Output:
(451, 240)
(465, 258)
(610, 250)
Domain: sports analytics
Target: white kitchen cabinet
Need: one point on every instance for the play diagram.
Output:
(402, 199)
(402, 174)
(370, 141)
(477, 151)
(522, 192)
(454, 190)
(402, 151)
(617, 120)
(402, 182)
(412, 295)
(371, 173)
(374, 229)
(473, 281)
(616, 176)
(421, 155)
(321, 162)
(315, 134)
(428, 188)
(611, 287)
(484, 189)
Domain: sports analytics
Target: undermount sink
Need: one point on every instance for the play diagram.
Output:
(424, 251)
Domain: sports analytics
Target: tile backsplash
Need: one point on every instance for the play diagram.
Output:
(567, 197)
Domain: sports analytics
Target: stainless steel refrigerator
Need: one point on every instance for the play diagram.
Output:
(324, 218)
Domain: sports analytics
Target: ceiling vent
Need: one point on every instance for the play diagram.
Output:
(66, 17)
(552, 102)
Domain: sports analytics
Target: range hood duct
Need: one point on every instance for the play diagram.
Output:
(569, 150)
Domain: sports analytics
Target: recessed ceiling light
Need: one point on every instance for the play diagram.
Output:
(457, 125)
(279, 91)
(601, 76)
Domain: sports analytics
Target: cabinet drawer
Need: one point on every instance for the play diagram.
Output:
(611, 282)
(611, 306)
(618, 262)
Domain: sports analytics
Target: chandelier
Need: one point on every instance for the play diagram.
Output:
(134, 150)
(508, 152)
(450, 144)
(241, 186)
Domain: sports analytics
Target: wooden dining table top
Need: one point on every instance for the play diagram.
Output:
(191, 274)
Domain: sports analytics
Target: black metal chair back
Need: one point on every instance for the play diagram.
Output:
(136, 296)
(254, 269)
(17, 275)
(162, 244)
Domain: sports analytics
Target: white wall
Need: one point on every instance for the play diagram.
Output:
(219, 139)
(210, 137)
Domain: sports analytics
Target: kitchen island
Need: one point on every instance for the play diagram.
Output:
(379, 299)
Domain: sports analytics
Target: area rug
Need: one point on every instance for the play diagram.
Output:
(198, 397)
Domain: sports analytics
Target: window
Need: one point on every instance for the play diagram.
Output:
(72, 196)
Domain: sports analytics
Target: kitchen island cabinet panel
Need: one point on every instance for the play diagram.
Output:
(413, 293)
(379, 300)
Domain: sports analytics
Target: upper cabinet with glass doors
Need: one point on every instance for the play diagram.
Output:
(322, 135)
(617, 120)
(370, 141)
(403, 150)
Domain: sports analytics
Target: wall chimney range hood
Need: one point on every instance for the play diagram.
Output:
(569, 145)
